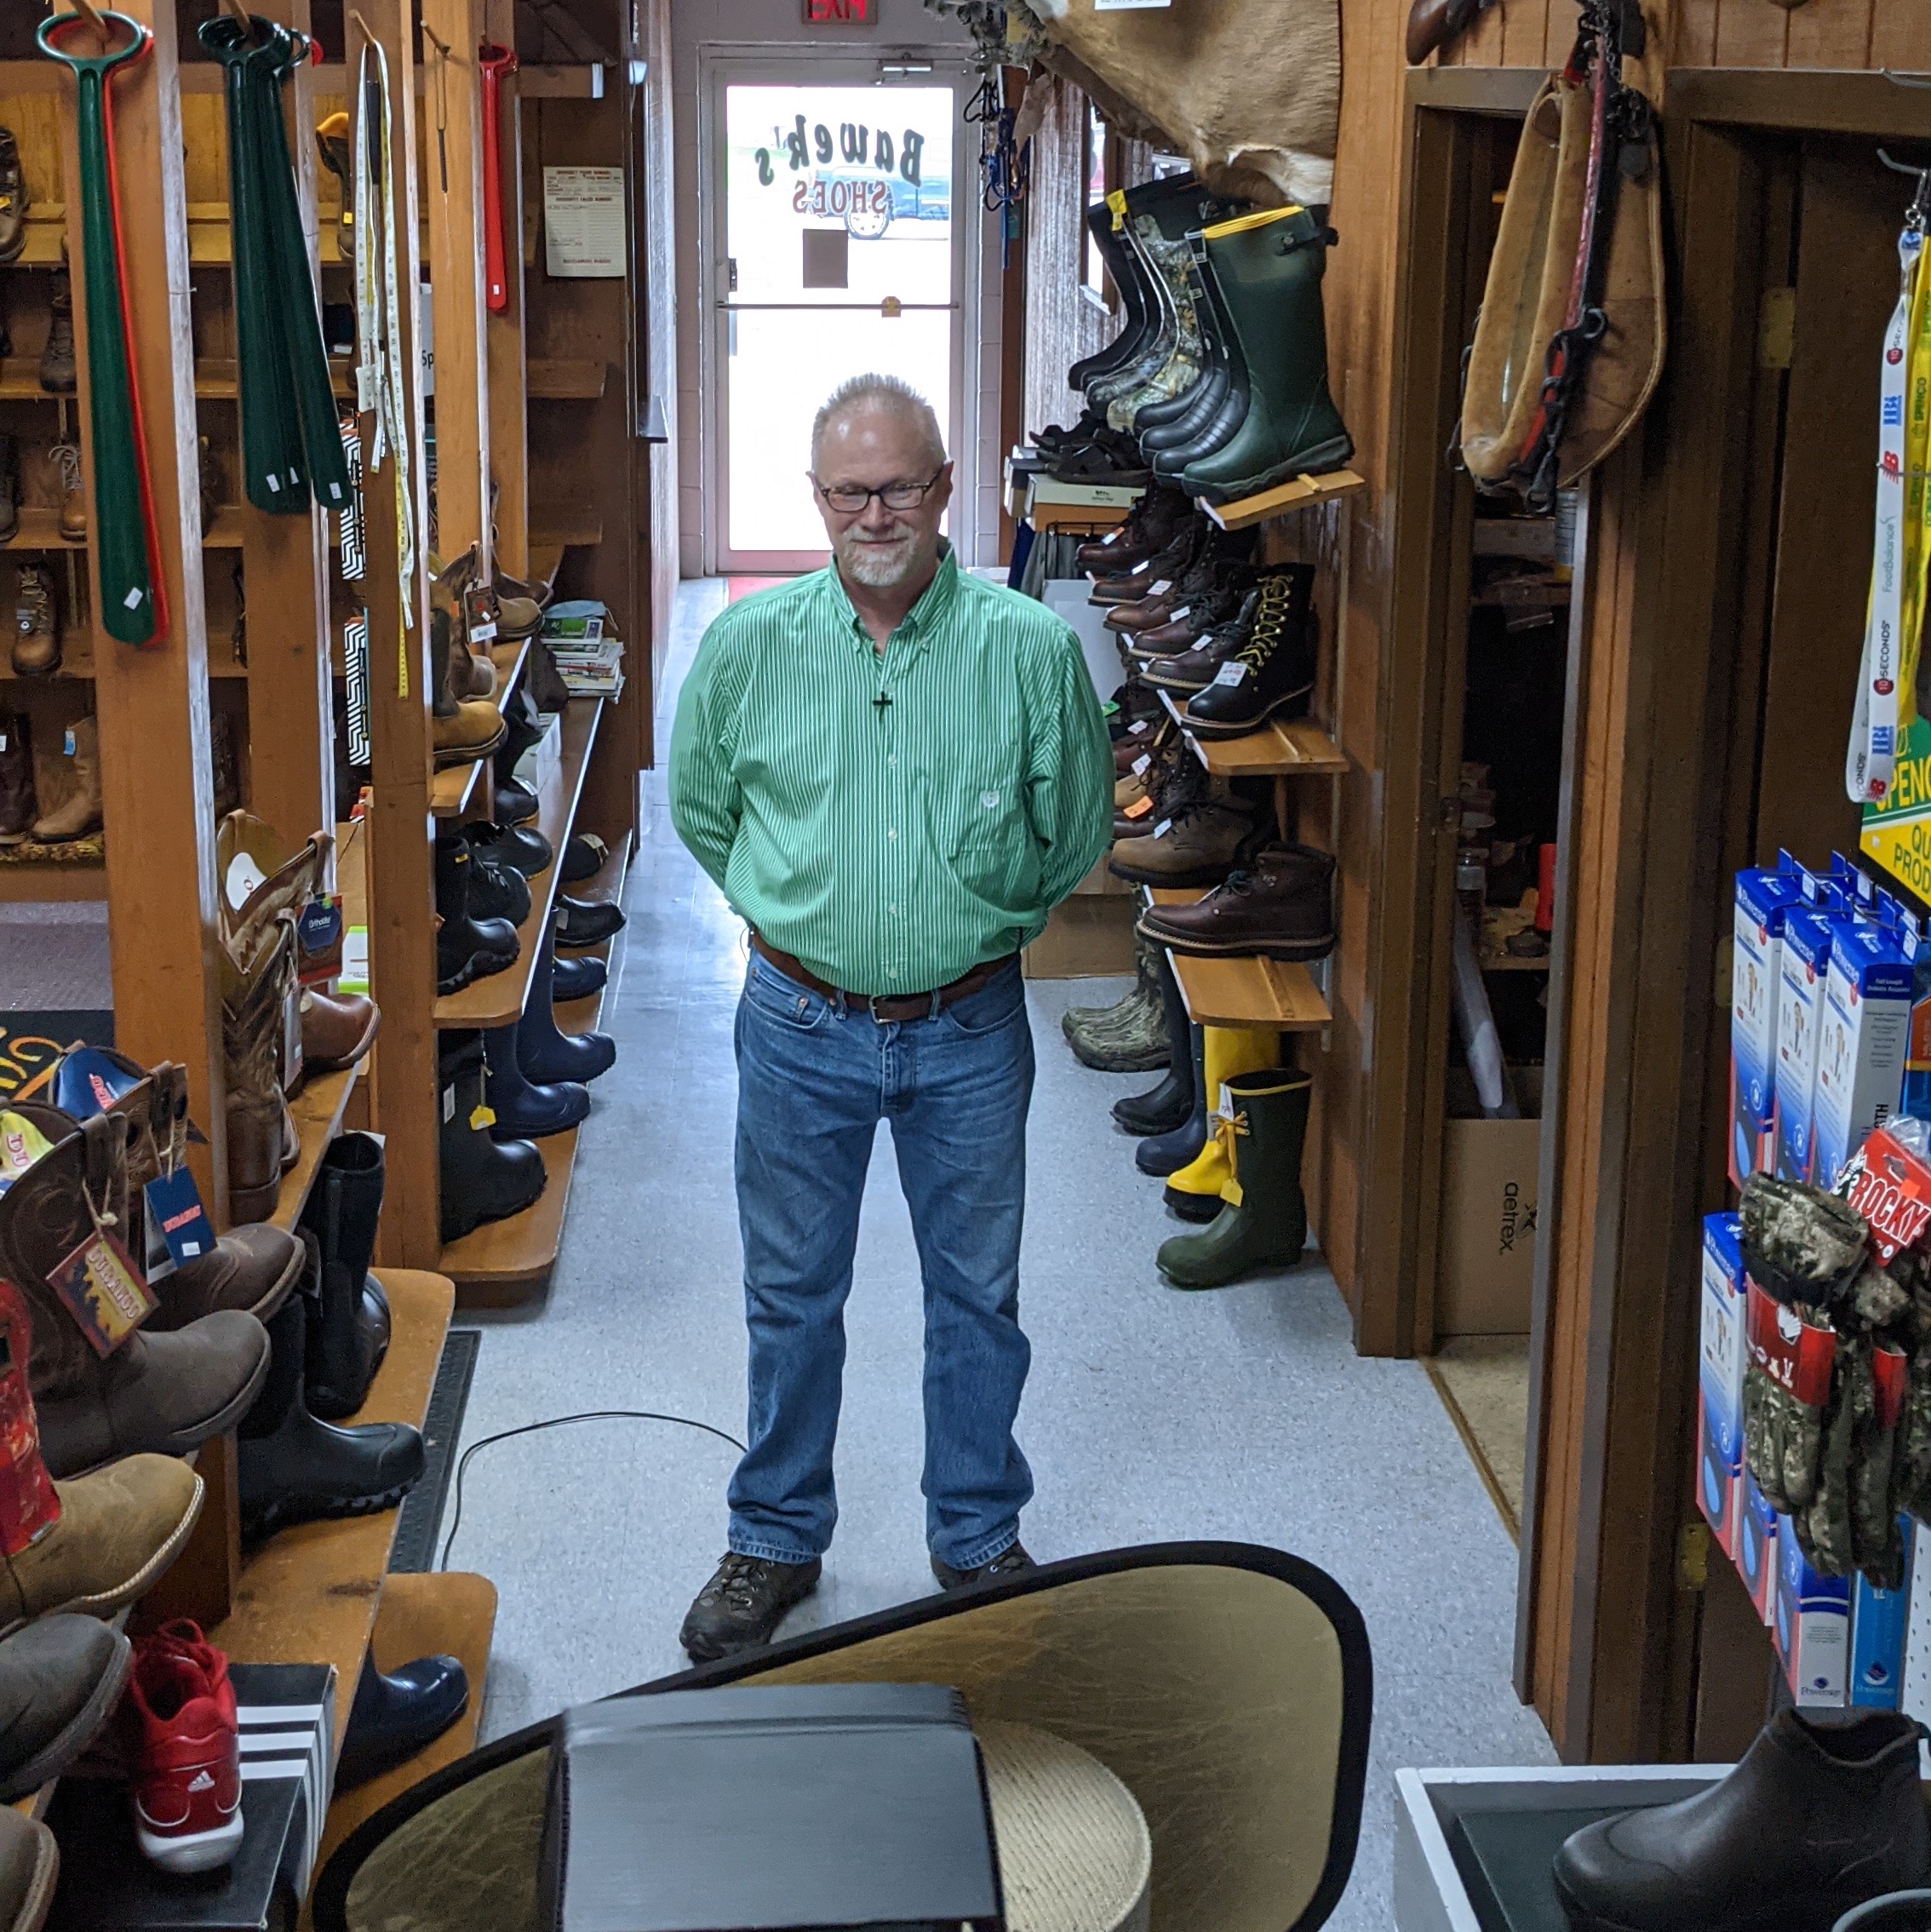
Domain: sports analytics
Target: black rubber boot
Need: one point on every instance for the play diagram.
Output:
(1166, 1108)
(577, 979)
(483, 1180)
(397, 1713)
(1166, 1152)
(467, 948)
(547, 1054)
(524, 1108)
(294, 1468)
(348, 1327)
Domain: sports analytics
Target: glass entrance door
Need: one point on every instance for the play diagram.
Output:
(837, 246)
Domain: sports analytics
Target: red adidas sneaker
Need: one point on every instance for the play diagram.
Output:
(186, 1750)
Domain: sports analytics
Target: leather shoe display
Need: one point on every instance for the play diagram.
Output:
(1280, 906)
(577, 979)
(582, 923)
(517, 847)
(398, 1713)
(1202, 843)
(743, 1604)
(1819, 1816)
(527, 1109)
(293, 1467)
(118, 1530)
(483, 1179)
(337, 1028)
(348, 1314)
(61, 1678)
(467, 948)
(547, 1053)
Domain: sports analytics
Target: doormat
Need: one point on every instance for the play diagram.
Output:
(736, 588)
(31, 1042)
(421, 1523)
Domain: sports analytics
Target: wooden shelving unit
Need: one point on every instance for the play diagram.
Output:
(560, 380)
(499, 1000)
(1275, 995)
(318, 1111)
(1302, 493)
(1295, 747)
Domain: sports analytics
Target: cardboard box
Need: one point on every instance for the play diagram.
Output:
(1719, 1380)
(1485, 1264)
(1088, 936)
(1879, 1621)
(1757, 1549)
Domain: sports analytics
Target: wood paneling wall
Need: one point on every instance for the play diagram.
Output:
(1712, 33)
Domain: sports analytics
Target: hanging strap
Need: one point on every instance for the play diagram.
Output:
(1883, 706)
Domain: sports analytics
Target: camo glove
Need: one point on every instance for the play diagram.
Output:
(1877, 1545)
(1799, 1244)
(1823, 1528)
(1782, 1441)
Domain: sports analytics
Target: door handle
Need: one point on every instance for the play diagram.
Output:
(730, 274)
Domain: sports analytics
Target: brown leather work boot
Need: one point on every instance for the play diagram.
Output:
(13, 202)
(336, 1028)
(57, 358)
(73, 495)
(1280, 906)
(17, 807)
(261, 1141)
(461, 729)
(81, 814)
(1202, 844)
(37, 623)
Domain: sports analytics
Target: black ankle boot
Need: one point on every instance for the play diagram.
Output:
(527, 1108)
(483, 1180)
(547, 1054)
(294, 1468)
(1168, 1105)
(577, 979)
(467, 948)
(348, 1327)
(396, 1713)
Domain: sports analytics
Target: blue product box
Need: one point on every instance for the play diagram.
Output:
(1879, 1619)
(1804, 968)
(1813, 1626)
(1756, 1550)
(1720, 1378)
(1864, 1030)
(1764, 897)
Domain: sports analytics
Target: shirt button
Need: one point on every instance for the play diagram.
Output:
(892, 833)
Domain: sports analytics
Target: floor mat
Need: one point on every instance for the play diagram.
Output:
(736, 587)
(414, 1550)
(1483, 1383)
(29, 1044)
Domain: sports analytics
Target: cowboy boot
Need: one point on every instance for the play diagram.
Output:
(1194, 1192)
(17, 806)
(253, 1018)
(1270, 267)
(163, 1392)
(81, 814)
(348, 1319)
(1263, 1222)
(263, 880)
(472, 671)
(461, 729)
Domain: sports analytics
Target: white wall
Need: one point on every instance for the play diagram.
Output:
(776, 27)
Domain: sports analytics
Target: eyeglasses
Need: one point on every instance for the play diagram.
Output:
(850, 501)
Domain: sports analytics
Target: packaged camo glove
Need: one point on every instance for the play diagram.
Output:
(1799, 1244)
(1877, 1542)
(1787, 1386)
(1823, 1526)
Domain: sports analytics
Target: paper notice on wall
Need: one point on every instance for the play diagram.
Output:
(583, 229)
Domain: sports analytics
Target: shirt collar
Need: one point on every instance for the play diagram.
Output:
(920, 622)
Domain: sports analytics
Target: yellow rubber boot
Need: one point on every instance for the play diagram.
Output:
(1193, 1191)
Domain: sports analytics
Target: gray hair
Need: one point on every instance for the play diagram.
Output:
(878, 392)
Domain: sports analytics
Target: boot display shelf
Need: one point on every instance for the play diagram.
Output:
(1304, 493)
(502, 1263)
(1279, 995)
(499, 999)
(1298, 747)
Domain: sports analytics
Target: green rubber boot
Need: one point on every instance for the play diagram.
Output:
(1269, 266)
(1264, 1220)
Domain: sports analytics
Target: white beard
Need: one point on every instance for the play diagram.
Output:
(879, 567)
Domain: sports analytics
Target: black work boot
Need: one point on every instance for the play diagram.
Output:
(1164, 1154)
(483, 1180)
(467, 948)
(1168, 1105)
(294, 1467)
(744, 1601)
(398, 1713)
(1816, 1819)
(1271, 671)
(57, 374)
(1011, 1561)
(348, 1326)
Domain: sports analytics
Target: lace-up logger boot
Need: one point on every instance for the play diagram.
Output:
(37, 623)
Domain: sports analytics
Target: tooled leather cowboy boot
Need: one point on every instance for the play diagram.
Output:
(81, 814)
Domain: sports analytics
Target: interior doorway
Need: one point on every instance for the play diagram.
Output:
(841, 242)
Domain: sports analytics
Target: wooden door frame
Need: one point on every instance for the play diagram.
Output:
(1607, 1619)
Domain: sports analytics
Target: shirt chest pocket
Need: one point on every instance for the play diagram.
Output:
(989, 839)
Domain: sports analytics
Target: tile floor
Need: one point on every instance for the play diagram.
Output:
(1244, 1414)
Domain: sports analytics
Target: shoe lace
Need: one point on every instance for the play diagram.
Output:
(735, 1585)
(34, 603)
(66, 457)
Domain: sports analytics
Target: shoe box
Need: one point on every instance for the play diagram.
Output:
(1764, 896)
(1719, 1380)
(287, 1715)
(1485, 1260)
(1089, 935)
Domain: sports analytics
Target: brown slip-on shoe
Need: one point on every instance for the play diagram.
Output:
(30, 1864)
(60, 1680)
(253, 1268)
(119, 1529)
(337, 1028)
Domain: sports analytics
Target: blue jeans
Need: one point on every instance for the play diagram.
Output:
(815, 1077)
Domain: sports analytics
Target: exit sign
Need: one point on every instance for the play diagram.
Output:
(838, 13)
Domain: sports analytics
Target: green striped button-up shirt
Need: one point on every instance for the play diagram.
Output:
(890, 846)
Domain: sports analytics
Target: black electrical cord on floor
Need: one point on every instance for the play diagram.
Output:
(558, 1422)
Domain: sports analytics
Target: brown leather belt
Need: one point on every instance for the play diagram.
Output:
(888, 1006)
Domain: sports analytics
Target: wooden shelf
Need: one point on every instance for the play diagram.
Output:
(1304, 493)
(309, 1594)
(498, 1000)
(1279, 749)
(68, 880)
(318, 1111)
(1273, 995)
(19, 383)
(1507, 962)
(577, 528)
(504, 1263)
(76, 661)
(216, 380)
(40, 529)
(451, 788)
(551, 380)
(447, 1614)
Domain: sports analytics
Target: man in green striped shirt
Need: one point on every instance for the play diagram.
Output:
(893, 771)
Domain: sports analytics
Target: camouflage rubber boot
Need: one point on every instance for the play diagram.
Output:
(1129, 1037)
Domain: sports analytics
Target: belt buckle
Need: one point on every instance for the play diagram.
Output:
(872, 1001)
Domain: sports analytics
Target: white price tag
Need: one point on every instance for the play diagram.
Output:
(1160, 588)
(1174, 616)
(1137, 729)
(1230, 674)
(1160, 830)
(484, 632)
(1140, 763)
(448, 1104)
